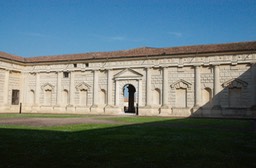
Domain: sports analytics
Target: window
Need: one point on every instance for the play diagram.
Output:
(48, 97)
(31, 97)
(65, 97)
(83, 97)
(156, 97)
(65, 74)
(181, 97)
(102, 97)
(86, 64)
(235, 97)
(75, 65)
(206, 96)
(15, 97)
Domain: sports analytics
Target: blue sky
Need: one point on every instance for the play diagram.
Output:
(51, 27)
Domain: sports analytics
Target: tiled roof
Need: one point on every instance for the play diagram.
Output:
(141, 52)
(11, 57)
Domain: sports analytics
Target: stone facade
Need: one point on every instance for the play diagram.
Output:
(197, 82)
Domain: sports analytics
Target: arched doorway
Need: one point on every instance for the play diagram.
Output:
(129, 98)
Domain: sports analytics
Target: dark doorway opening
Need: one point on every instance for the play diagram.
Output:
(15, 97)
(129, 98)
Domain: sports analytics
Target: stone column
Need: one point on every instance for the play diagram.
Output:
(197, 87)
(6, 87)
(139, 94)
(38, 89)
(165, 87)
(59, 75)
(71, 89)
(216, 87)
(23, 88)
(253, 93)
(95, 88)
(148, 88)
(117, 93)
(110, 102)
(216, 80)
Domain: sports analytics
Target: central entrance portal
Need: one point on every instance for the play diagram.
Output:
(129, 98)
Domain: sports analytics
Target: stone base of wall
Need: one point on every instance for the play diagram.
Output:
(96, 110)
(149, 111)
(82, 110)
(181, 112)
(10, 109)
(218, 112)
(242, 112)
(112, 110)
(165, 111)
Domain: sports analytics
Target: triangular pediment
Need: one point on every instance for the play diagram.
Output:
(47, 86)
(181, 84)
(128, 73)
(82, 86)
(235, 83)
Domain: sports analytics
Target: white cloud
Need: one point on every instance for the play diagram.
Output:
(116, 38)
(175, 34)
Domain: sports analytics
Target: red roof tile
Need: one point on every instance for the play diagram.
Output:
(140, 52)
(11, 57)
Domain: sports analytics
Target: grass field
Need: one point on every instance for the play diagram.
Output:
(130, 142)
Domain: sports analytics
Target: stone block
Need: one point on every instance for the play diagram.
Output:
(112, 110)
(181, 112)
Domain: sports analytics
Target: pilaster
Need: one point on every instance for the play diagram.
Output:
(165, 110)
(216, 80)
(6, 87)
(197, 86)
(165, 88)
(110, 81)
(216, 109)
(216, 86)
(140, 93)
(71, 88)
(38, 89)
(117, 93)
(110, 108)
(148, 87)
(197, 90)
(94, 107)
(95, 87)
(253, 77)
(59, 74)
(147, 109)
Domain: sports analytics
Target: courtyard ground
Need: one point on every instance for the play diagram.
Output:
(44, 140)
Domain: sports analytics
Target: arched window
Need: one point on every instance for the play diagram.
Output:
(181, 97)
(48, 97)
(83, 90)
(65, 97)
(83, 97)
(157, 97)
(181, 88)
(235, 88)
(31, 97)
(48, 92)
(206, 95)
(235, 97)
(102, 97)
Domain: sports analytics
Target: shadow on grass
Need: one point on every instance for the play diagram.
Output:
(168, 143)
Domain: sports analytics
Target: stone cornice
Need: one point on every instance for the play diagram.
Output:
(138, 54)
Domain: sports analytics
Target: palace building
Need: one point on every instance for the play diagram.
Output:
(205, 80)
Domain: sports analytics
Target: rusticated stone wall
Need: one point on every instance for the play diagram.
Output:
(207, 85)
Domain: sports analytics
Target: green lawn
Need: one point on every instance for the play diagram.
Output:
(139, 142)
